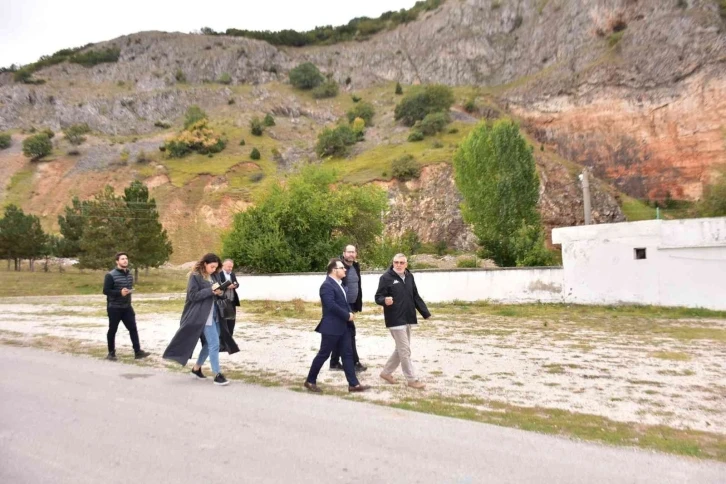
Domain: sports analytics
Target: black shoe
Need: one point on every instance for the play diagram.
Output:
(141, 354)
(360, 367)
(220, 380)
(336, 366)
(198, 374)
(111, 357)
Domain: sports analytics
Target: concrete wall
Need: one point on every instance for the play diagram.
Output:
(685, 263)
(501, 285)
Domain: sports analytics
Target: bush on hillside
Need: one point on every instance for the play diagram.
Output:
(335, 142)
(433, 123)
(74, 134)
(363, 110)
(306, 76)
(256, 126)
(405, 168)
(198, 138)
(37, 146)
(326, 90)
(399, 89)
(416, 135)
(5, 141)
(225, 78)
(94, 57)
(255, 154)
(423, 100)
(269, 120)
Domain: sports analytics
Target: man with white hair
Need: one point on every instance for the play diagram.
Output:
(398, 295)
(231, 293)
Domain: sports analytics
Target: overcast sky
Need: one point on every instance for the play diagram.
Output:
(31, 28)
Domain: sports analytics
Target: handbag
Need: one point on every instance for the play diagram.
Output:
(226, 308)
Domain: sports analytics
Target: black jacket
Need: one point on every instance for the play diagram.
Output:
(112, 285)
(405, 299)
(358, 305)
(222, 278)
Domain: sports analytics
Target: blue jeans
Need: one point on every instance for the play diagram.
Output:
(211, 347)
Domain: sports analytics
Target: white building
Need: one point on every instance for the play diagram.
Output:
(659, 262)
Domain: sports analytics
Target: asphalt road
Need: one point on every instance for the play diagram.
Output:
(66, 419)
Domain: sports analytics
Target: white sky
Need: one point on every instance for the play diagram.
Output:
(31, 28)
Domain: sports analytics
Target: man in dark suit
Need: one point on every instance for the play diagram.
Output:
(334, 330)
(231, 293)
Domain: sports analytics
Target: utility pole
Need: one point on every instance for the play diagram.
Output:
(586, 195)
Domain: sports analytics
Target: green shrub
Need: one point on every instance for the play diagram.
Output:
(225, 78)
(193, 115)
(37, 146)
(359, 128)
(399, 89)
(242, 142)
(405, 168)
(269, 120)
(255, 154)
(179, 76)
(453, 130)
(363, 110)
(49, 132)
(162, 124)
(466, 262)
(256, 177)
(74, 134)
(198, 137)
(94, 57)
(434, 123)
(335, 142)
(441, 247)
(423, 100)
(416, 135)
(306, 76)
(5, 140)
(256, 126)
(470, 106)
(355, 98)
(326, 90)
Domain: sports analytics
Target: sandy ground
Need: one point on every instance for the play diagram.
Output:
(572, 367)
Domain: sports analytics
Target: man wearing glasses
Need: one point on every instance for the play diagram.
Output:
(334, 330)
(399, 297)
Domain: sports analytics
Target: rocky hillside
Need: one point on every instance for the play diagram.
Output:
(634, 89)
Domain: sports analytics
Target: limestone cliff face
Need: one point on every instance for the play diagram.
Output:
(430, 205)
(633, 88)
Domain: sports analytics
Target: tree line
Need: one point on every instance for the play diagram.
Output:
(91, 231)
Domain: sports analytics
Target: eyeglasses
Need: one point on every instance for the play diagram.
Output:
(399, 261)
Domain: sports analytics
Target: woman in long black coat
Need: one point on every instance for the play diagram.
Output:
(201, 319)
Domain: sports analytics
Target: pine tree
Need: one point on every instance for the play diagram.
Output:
(108, 230)
(21, 236)
(71, 228)
(151, 246)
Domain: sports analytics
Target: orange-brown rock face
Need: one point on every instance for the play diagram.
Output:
(648, 145)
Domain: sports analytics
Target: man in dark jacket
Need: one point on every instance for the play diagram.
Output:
(353, 289)
(333, 329)
(230, 294)
(118, 286)
(398, 295)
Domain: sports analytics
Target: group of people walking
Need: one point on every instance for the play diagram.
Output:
(209, 315)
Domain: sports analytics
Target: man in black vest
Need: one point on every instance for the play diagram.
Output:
(354, 292)
(118, 286)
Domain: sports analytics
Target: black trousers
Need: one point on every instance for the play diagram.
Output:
(128, 317)
(230, 325)
(335, 358)
(328, 344)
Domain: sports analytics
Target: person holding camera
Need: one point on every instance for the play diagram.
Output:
(118, 286)
(202, 318)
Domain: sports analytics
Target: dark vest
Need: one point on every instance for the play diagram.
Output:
(120, 280)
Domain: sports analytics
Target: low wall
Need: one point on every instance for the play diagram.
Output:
(516, 285)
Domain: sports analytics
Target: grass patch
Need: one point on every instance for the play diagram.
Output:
(583, 426)
(20, 187)
(73, 281)
(636, 210)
